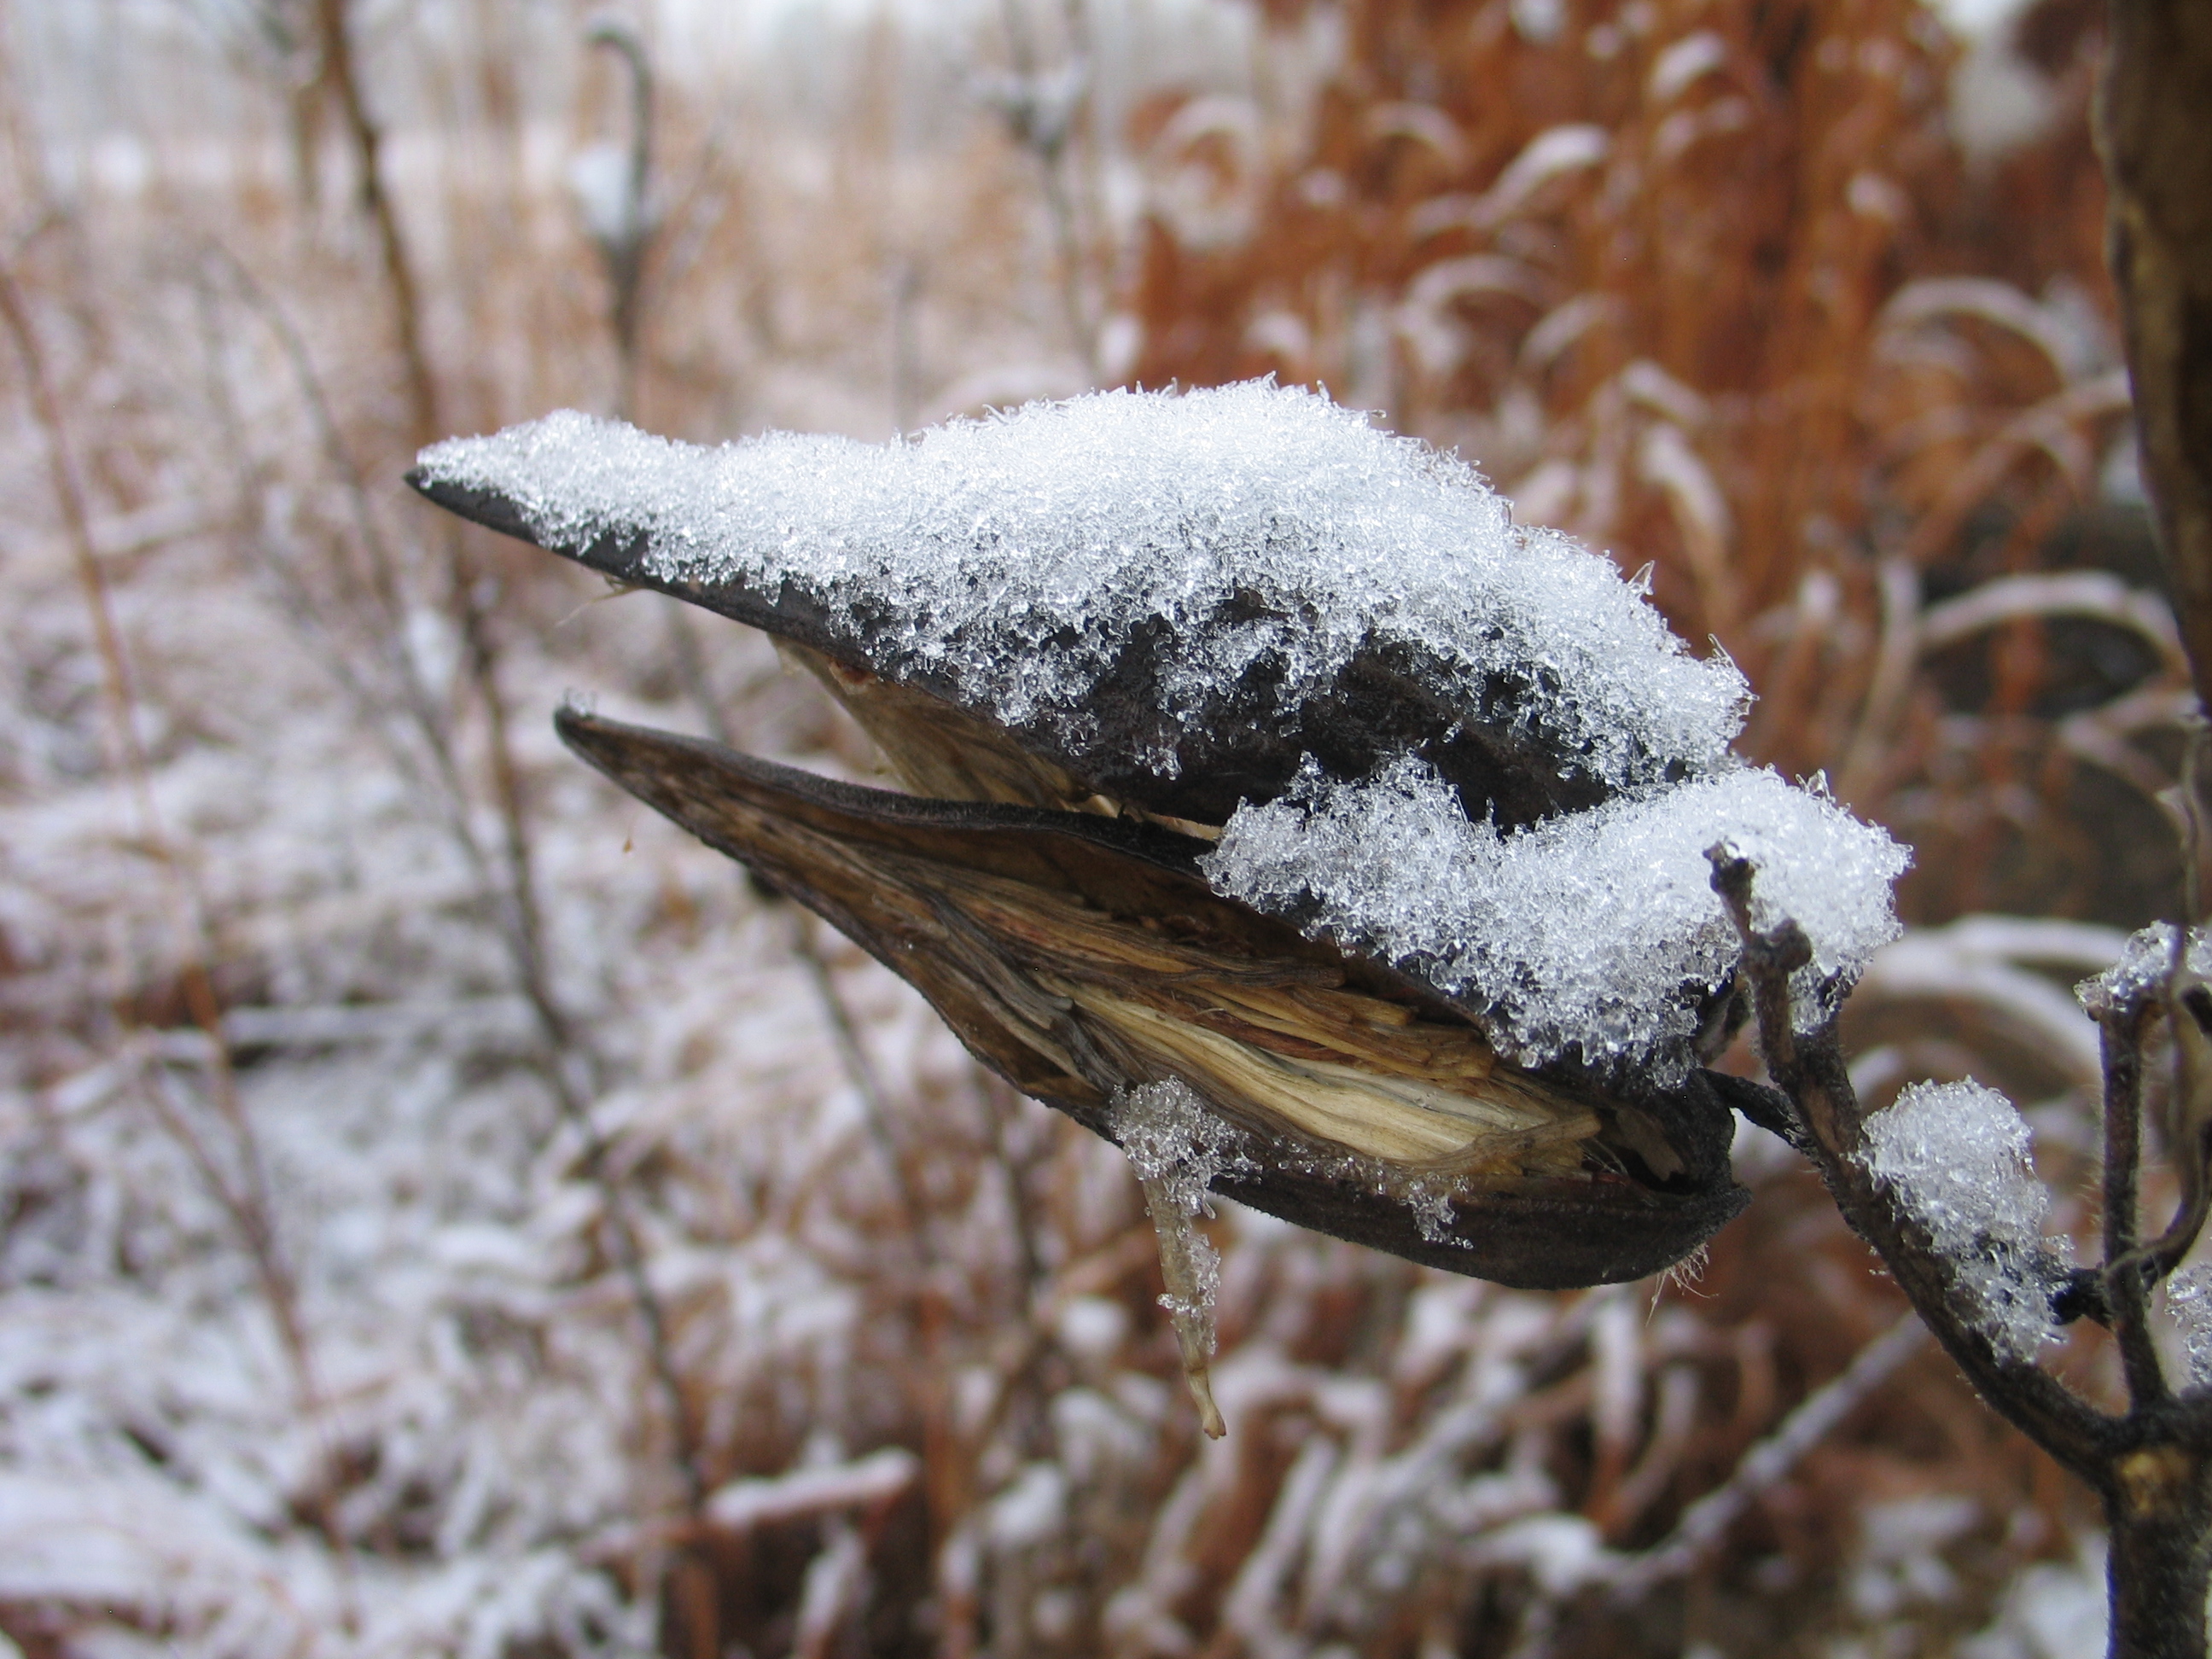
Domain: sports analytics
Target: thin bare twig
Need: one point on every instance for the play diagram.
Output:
(624, 244)
(2127, 1292)
(1044, 132)
(468, 601)
(341, 72)
(571, 1068)
(382, 594)
(875, 1103)
(2186, 1005)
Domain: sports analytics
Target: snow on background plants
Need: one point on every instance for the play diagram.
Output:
(616, 1262)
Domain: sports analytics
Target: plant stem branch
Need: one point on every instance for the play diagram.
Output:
(2125, 1289)
(2150, 129)
(2152, 1467)
(1808, 1067)
(342, 72)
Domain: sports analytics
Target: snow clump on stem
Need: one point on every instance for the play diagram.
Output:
(1957, 1157)
(2140, 976)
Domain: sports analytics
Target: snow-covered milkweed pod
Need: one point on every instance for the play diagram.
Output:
(1266, 777)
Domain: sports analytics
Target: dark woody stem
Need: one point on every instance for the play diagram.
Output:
(1807, 1067)
(2126, 1290)
(2153, 1467)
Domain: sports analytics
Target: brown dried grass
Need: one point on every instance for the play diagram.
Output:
(1685, 342)
(1732, 266)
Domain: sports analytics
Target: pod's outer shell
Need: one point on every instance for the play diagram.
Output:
(1247, 744)
(871, 863)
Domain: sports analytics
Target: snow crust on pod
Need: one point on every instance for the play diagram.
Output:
(1259, 525)
(1263, 541)
(1595, 935)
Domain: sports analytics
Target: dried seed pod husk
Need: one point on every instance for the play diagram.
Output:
(1308, 598)
(1081, 956)
(1179, 602)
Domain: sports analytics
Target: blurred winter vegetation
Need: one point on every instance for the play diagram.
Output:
(445, 1211)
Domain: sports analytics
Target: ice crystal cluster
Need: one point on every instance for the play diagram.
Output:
(1177, 1145)
(1263, 542)
(1592, 933)
(2140, 974)
(1171, 1138)
(2189, 1301)
(1956, 1155)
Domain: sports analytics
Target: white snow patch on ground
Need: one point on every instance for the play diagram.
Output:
(2053, 1610)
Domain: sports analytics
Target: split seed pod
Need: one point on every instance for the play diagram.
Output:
(1166, 677)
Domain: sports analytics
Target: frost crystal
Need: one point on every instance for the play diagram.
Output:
(1172, 1136)
(1260, 537)
(1956, 1154)
(1595, 933)
(1177, 1145)
(2140, 972)
(2188, 1300)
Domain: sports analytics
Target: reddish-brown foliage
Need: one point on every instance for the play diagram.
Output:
(1718, 286)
